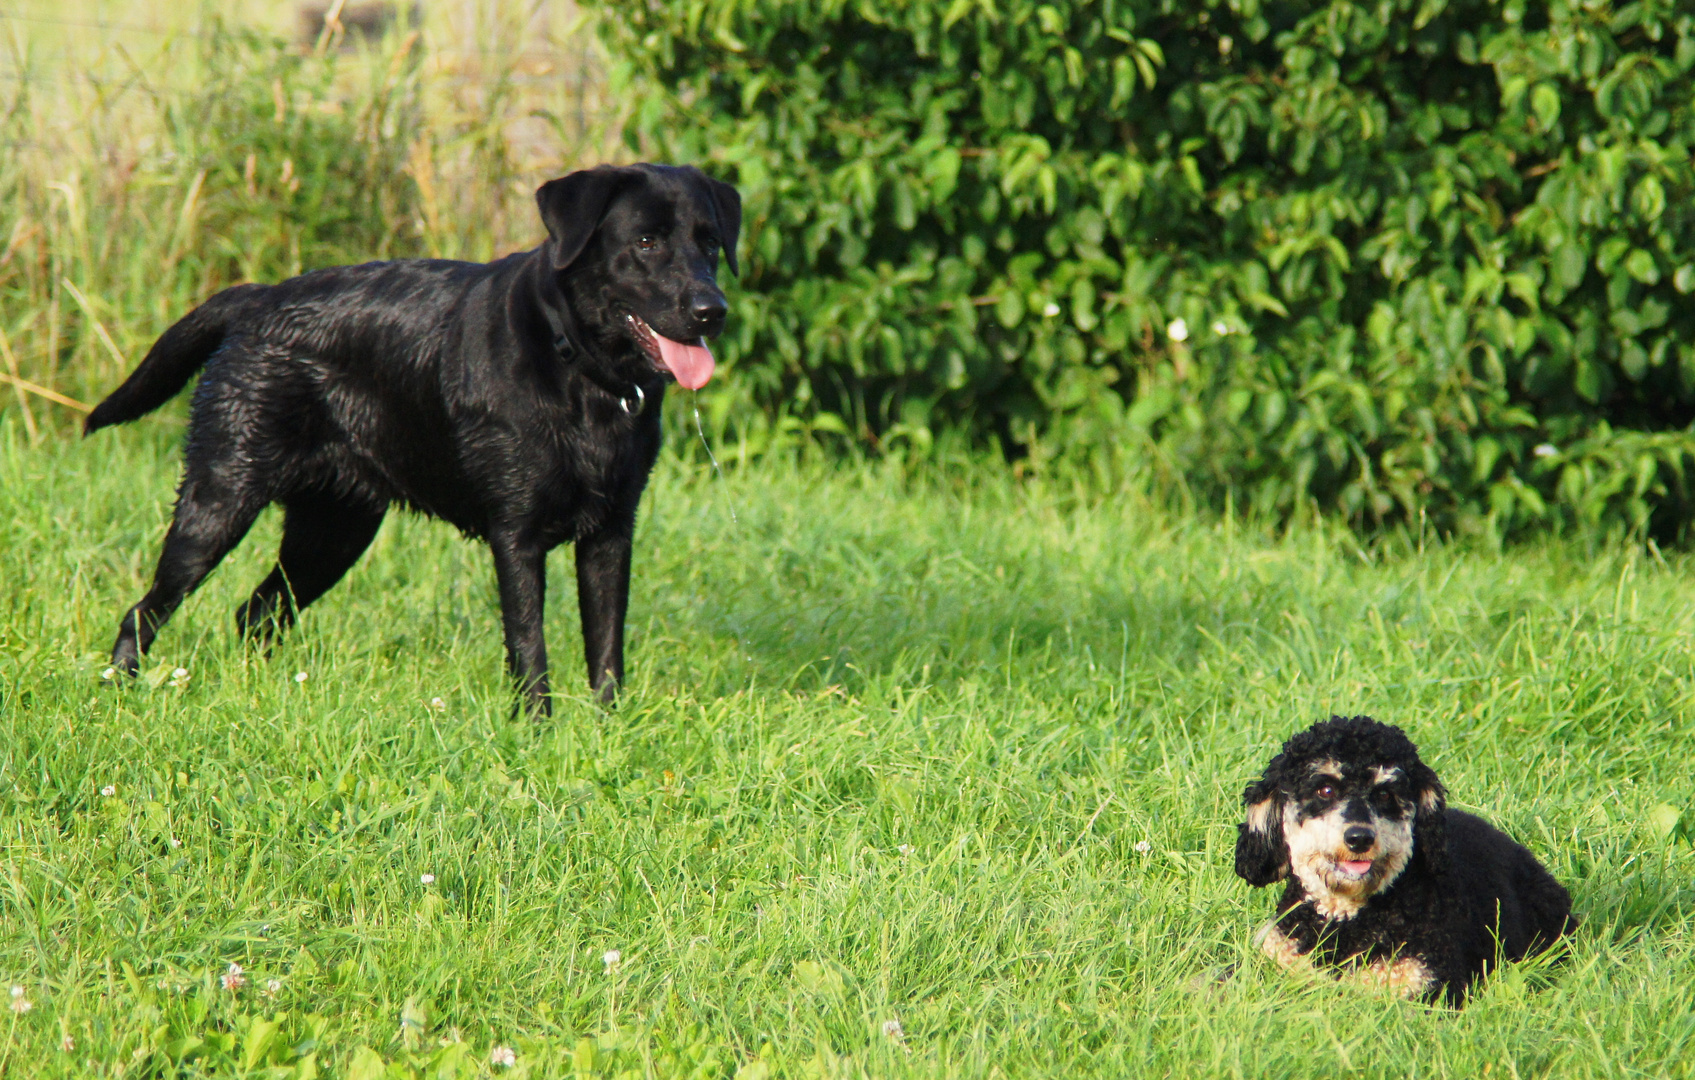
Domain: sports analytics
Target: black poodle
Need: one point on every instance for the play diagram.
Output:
(1385, 883)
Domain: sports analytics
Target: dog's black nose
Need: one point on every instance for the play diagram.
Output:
(707, 311)
(1358, 838)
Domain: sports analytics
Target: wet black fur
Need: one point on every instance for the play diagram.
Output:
(1470, 894)
(508, 398)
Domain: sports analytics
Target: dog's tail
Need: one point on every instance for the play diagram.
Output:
(172, 361)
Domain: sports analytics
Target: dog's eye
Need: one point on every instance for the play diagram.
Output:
(1326, 791)
(647, 243)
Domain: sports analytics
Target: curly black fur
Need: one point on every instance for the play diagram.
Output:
(1441, 902)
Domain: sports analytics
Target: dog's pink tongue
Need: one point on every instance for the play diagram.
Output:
(691, 364)
(1358, 866)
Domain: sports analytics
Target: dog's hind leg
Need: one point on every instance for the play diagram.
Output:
(212, 516)
(322, 538)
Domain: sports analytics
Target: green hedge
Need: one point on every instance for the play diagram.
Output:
(1432, 258)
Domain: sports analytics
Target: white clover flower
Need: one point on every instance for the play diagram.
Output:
(905, 849)
(109, 790)
(502, 1057)
(1143, 847)
(180, 673)
(611, 958)
(893, 1031)
(108, 675)
(67, 1044)
(300, 676)
(1546, 449)
(1050, 309)
(20, 1004)
(273, 987)
(1178, 330)
(427, 879)
(175, 842)
(1222, 328)
(437, 703)
(233, 979)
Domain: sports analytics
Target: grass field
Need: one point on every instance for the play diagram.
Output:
(947, 750)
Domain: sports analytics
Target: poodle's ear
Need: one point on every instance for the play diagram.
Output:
(1430, 833)
(572, 208)
(1262, 856)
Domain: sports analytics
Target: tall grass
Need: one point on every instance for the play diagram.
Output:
(131, 189)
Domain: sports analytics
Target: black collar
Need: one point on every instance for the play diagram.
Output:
(631, 397)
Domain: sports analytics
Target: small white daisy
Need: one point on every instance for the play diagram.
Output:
(109, 790)
(427, 879)
(1178, 330)
(233, 979)
(502, 1057)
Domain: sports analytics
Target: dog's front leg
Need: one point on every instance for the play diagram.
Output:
(520, 568)
(603, 596)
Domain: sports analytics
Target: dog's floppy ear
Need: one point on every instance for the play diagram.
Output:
(572, 208)
(1430, 833)
(727, 207)
(1262, 856)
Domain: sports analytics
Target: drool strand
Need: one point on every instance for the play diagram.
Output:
(710, 456)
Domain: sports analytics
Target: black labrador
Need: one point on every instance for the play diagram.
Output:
(518, 400)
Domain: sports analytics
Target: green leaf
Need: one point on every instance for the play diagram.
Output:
(1009, 308)
(816, 978)
(1545, 103)
(256, 1041)
(366, 1064)
(1664, 820)
(1641, 266)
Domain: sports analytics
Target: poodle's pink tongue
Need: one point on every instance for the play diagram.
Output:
(1358, 866)
(691, 364)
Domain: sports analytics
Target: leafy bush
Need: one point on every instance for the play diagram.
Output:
(1407, 259)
